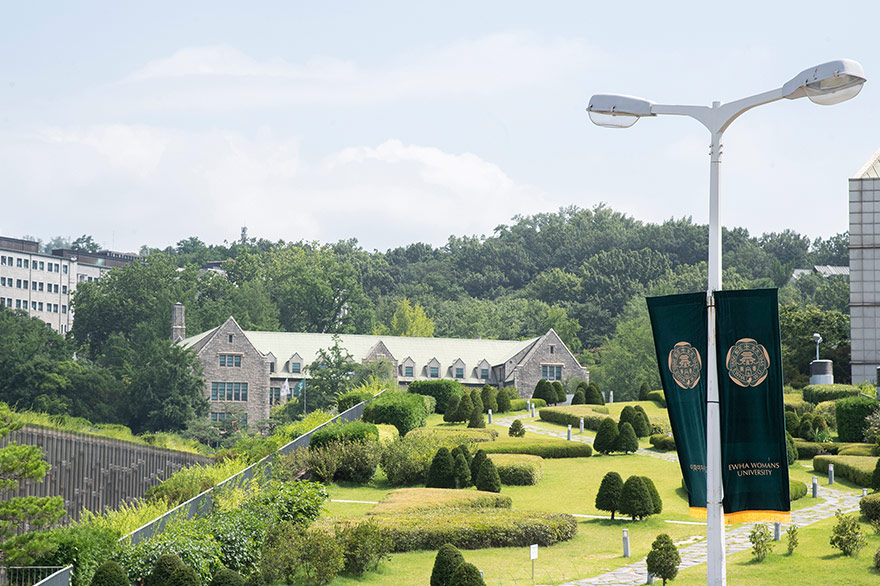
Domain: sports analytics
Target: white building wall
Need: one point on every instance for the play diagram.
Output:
(864, 280)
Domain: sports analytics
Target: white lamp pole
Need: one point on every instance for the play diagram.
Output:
(828, 83)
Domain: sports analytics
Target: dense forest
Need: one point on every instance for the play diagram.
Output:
(583, 272)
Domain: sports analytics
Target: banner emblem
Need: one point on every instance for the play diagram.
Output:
(684, 365)
(747, 363)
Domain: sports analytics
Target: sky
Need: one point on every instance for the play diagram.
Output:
(400, 122)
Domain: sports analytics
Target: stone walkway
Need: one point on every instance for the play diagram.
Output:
(693, 549)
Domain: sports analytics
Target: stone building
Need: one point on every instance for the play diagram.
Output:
(245, 370)
(864, 271)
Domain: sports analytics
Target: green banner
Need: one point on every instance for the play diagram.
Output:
(753, 448)
(679, 323)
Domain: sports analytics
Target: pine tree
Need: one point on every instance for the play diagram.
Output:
(608, 497)
(635, 500)
(626, 416)
(477, 401)
(655, 495)
(578, 398)
(451, 408)
(641, 423)
(447, 561)
(462, 472)
(606, 436)
(875, 478)
(477, 420)
(627, 442)
(487, 478)
(476, 463)
(503, 399)
(489, 397)
(463, 449)
(643, 391)
(467, 575)
(663, 559)
(516, 429)
(544, 390)
(465, 407)
(440, 474)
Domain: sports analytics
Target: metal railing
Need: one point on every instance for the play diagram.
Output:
(30, 575)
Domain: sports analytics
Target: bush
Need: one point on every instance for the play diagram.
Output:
(606, 437)
(608, 496)
(856, 450)
(441, 472)
(359, 462)
(593, 396)
(641, 424)
(626, 416)
(184, 576)
(464, 409)
(476, 420)
(487, 477)
(545, 391)
(110, 574)
(847, 536)
(870, 506)
(821, 393)
(635, 500)
(165, 565)
(516, 429)
(503, 400)
(579, 398)
(240, 534)
(809, 450)
(354, 431)
(301, 502)
(655, 496)
(796, 490)
(467, 575)
(455, 435)
(560, 391)
(663, 559)
(364, 546)
(476, 462)
(412, 500)
(405, 411)
(322, 557)
(643, 391)
(430, 404)
(875, 476)
(791, 451)
(451, 409)
(546, 448)
(477, 400)
(792, 422)
(324, 461)
(658, 397)
(461, 471)
(663, 442)
(857, 469)
(572, 416)
(346, 401)
(518, 469)
(827, 411)
(792, 534)
(522, 404)
(762, 541)
(627, 442)
(441, 389)
(489, 396)
(84, 546)
(227, 577)
(447, 561)
(852, 413)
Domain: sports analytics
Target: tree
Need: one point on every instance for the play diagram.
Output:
(608, 497)
(451, 409)
(445, 563)
(476, 420)
(516, 429)
(477, 400)
(85, 243)
(655, 495)
(503, 401)
(641, 424)
(578, 398)
(626, 416)
(329, 374)
(487, 477)
(461, 471)
(606, 436)
(488, 395)
(464, 409)
(592, 395)
(410, 319)
(20, 463)
(441, 472)
(875, 477)
(663, 559)
(627, 442)
(635, 500)
(467, 575)
(544, 390)
(477, 463)
(560, 391)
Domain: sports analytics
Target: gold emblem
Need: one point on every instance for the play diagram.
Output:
(685, 365)
(747, 363)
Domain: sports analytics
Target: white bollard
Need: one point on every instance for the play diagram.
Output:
(490, 416)
(569, 432)
(610, 396)
(582, 425)
(830, 473)
(626, 543)
(777, 530)
(815, 487)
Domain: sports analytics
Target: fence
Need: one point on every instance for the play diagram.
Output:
(96, 473)
(26, 575)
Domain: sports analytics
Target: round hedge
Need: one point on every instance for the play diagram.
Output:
(447, 561)
(110, 574)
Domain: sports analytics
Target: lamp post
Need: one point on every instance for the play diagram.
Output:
(826, 84)
(818, 339)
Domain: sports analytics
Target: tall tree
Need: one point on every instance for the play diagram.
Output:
(329, 375)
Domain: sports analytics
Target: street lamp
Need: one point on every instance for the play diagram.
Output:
(826, 84)
(818, 339)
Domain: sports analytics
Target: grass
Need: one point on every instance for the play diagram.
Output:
(416, 499)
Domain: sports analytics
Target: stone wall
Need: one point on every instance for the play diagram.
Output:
(528, 373)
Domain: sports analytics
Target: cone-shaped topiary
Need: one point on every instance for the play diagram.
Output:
(447, 561)
(451, 409)
(791, 449)
(579, 398)
(477, 401)
(465, 407)
(463, 449)
(635, 500)
(627, 442)
(489, 395)
(476, 463)
(227, 577)
(663, 559)
(461, 472)
(440, 474)
(805, 431)
(487, 478)
(626, 416)
(643, 391)
(544, 390)
(503, 400)
(559, 390)
(594, 395)
(477, 419)
(111, 574)
(606, 436)
(655, 496)
(516, 429)
(792, 422)
(184, 576)
(162, 569)
(608, 497)
(641, 424)
(467, 575)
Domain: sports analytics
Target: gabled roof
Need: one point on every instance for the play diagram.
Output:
(871, 169)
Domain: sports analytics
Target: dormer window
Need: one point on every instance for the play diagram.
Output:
(434, 371)
(459, 372)
(295, 367)
(408, 371)
(271, 367)
(484, 373)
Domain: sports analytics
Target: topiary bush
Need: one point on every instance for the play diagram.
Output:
(445, 563)
(516, 429)
(857, 469)
(487, 477)
(162, 569)
(643, 391)
(819, 393)
(658, 397)
(477, 461)
(489, 396)
(661, 441)
(796, 490)
(608, 496)
(627, 442)
(641, 423)
(593, 396)
(606, 437)
(353, 431)
(792, 422)
(467, 575)
(441, 389)
(461, 471)
(655, 495)
(477, 420)
(572, 416)
(441, 474)
(518, 469)
(544, 391)
(110, 573)
(348, 400)
(464, 409)
(502, 398)
(791, 451)
(184, 576)
(522, 404)
(635, 500)
(405, 411)
(851, 414)
(451, 409)
(870, 506)
(227, 577)
(579, 398)
(559, 390)
(546, 448)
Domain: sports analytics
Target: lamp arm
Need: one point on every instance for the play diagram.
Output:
(716, 120)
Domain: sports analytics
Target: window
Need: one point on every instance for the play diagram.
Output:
(54, 308)
(63, 309)
(34, 285)
(56, 267)
(2, 260)
(230, 360)
(552, 349)
(434, 372)
(54, 288)
(18, 283)
(25, 263)
(18, 262)
(229, 391)
(64, 289)
(41, 286)
(551, 372)
(33, 304)
(18, 304)
(295, 367)
(64, 269)
(407, 371)
(275, 395)
(3, 281)
(459, 372)
(271, 367)
(40, 306)
(42, 266)
(231, 337)
(484, 373)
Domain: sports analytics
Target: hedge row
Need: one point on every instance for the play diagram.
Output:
(354, 431)
(440, 389)
(870, 506)
(796, 490)
(572, 416)
(518, 469)
(851, 415)
(818, 393)
(408, 500)
(405, 411)
(476, 528)
(856, 469)
(457, 435)
(809, 450)
(661, 441)
(658, 397)
(522, 404)
(544, 448)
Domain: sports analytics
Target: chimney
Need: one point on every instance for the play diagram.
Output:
(178, 322)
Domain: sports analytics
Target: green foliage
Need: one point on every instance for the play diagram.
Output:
(846, 535)
(516, 429)
(658, 397)
(441, 389)
(640, 422)
(545, 448)
(797, 322)
(300, 502)
(464, 409)
(164, 567)
(792, 534)
(227, 577)
(663, 442)
(82, 546)
(663, 559)
(592, 395)
(875, 476)
(857, 469)
(445, 563)
(518, 469)
(476, 420)
(409, 319)
(852, 414)
(353, 431)
(626, 442)
(545, 391)
(109, 573)
(324, 461)
(346, 401)
(487, 477)
(606, 437)
(870, 506)
(635, 500)
(610, 490)
(578, 398)
(184, 576)
(193, 480)
(364, 544)
(285, 434)
(655, 495)
(572, 416)
(321, 556)
(477, 400)
(792, 423)
(559, 390)
(522, 404)
(791, 450)
(761, 540)
(467, 574)
(404, 411)
(461, 471)
(451, 409)
(820, 393)
(644, 390)
(406, 460)
(240, 534)
(502, 399)
(441, 474)
(476, 463)
(796, 490)
(329, 374)
(489, 396)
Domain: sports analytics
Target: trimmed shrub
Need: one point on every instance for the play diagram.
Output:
(364, 546)
(430, 404)
(608, 497)
(546, 448)
(593, 396)
(819, 393)
(809, 450)
(111, 574)
(796, 490)
(464, 451)
(851, 415)
(635, 500)
(606, 437)
(572, 416)
(502, 398)
(447, 561)
(792, 422)
(560, 391)
(476, 420)
(857, 469)
(827, 411)
(579, 398)
(405, 411)
(464, 409)
(227, 577)
(875, 476)
(346, 401)
(406, 460)
(626, 416)
(461, 472)
(184, 576)
(191, 541)
(412, 500)
(641, 424)
(516, 429)
(452, 436)
(791, 452)
(476, 463)
(663, 559)
(856, 450)
(441, 473)
(805, 429)
(487, 477)
(324, 461)
(545, 391)
(655, 496)
(477, 400)
(452, 409)
(354, 431)
(870, 506)
(658, 397)
(663, 442)
(441, 389)
(627, 442)
(518, 469)
(467, 575)
(522, 404)
(643, 391)
(489, 396)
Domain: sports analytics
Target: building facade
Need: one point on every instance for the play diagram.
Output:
(864, 271)
(43, 284)
(245, 370)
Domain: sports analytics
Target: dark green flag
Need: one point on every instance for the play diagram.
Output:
(679, 323)
(753, 447)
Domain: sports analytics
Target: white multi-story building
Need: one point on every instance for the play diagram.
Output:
(43, 284)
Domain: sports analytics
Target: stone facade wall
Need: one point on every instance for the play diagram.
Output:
(528, 373)
(254, 371)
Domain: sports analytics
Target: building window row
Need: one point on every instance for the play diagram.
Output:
(218, 417)
(35, 285)
(229, 391)
(551, 372)
(24, 263)
(230, 360)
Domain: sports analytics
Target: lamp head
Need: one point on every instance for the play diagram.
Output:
(617, 111)
(817, 338)
(827, 84)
